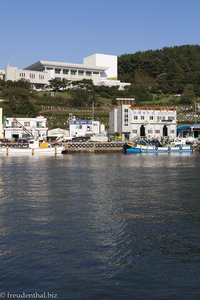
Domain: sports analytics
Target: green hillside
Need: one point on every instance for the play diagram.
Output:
(169, 77)
(170, 70)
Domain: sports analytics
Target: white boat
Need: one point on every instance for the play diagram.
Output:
(144, 146)
(34, 147)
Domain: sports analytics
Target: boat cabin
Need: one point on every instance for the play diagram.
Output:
(189, 132)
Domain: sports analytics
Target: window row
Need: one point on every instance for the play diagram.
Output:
(142, 117)
(151, 131)
(72, 72)
(31, 75)
(160, 118)
(125, 117)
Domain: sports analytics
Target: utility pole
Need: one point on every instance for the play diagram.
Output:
(93, 110)
(195, 112)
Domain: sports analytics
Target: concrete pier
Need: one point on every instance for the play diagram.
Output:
(96, 147)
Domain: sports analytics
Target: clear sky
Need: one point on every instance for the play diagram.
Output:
(69, 30)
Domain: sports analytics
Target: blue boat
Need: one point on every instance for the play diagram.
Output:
(144, 146)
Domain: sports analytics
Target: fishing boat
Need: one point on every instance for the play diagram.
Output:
(32, 147)
(145, 146)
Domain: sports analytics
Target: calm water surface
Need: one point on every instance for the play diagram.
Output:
(106, 226)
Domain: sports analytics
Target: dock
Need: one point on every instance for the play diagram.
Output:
(94, 147)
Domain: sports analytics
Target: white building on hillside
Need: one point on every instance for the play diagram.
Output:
(130, 121)
(21, 128)
(100, 68)
(36, 78)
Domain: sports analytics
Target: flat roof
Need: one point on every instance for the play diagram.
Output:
(44, 63)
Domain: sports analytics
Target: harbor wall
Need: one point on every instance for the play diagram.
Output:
(96, 147)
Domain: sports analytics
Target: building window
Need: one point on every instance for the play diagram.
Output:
(134, 131)
(14, 125)
(125, 121)
(49, 68)
(96, 73)
(65, 71)
(150, 131)
(157, 131)
(57, 71)
(135, 117)
(88, 73)
(79, 126)
(73, 72)
(170, 118)
(142, 117)
(151, 118)
(39, 125)
(27, 124)
(32, 76)
(172, 131)
(80, 73)
(125, 117)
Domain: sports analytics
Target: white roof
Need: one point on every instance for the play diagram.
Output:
(46, 63)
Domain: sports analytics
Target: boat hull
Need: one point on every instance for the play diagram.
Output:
(29, 151)
(149, 149)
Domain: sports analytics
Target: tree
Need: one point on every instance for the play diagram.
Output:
(19, 95)
(188, 94)
(55, 84)
(83, 92)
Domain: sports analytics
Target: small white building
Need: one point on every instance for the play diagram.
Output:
(79, 128)
(58, 133)
(130, 121)
(22, 128)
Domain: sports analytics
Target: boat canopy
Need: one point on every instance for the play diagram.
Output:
(195, 126)
(186, 127)
(183, 127)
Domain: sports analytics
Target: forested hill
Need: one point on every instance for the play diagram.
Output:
(168, 70)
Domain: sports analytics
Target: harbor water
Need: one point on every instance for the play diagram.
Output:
(100, 226)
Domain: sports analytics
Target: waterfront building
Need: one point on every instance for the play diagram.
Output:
(78, 128)
(130, 121)
(23, 128)
(100, 68)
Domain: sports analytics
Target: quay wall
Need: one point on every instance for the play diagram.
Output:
(96, 147)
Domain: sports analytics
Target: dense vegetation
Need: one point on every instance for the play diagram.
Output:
(173, 70)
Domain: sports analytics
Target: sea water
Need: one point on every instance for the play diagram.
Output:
(100, 226)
